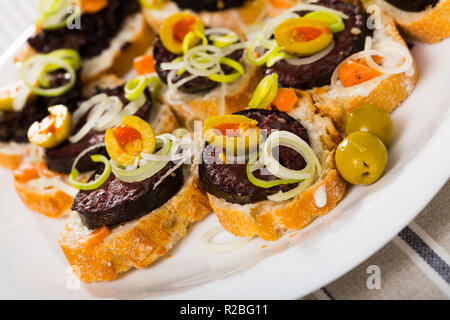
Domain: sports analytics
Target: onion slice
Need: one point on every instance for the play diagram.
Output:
(313, 58)
(105, 121)
(288, 139)
(221, 248)
(369, 52)
(93, 116)
(146, 171)
(87, 105)
(45, 183)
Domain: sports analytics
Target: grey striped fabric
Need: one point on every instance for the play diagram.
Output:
(415, 265)
(426, 253)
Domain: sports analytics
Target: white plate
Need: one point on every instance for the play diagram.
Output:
(33, 265)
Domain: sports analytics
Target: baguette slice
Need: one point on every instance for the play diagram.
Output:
(430, 26)
(386, 92)
(133, 40)
(137, 243)
(270, 219)
(53, 202)
(12, 154)
(50, 202)
(236, 19)
(201, 106)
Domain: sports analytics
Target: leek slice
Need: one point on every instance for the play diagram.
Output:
(98, 181)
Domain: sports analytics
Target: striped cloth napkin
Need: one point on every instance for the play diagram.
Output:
(414, 265)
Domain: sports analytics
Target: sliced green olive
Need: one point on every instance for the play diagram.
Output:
(361, 158)
(53, 129)
(303, 36)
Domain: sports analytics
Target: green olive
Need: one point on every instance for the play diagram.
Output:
(371, 119)
(361, 158)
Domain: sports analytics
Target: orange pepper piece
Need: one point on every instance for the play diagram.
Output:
(305, 34)
(144, 64)
(182, 27)
(354, 72)
(225, 128)
(93, 6)
(125, 134)
(282, 4)
(285, 100)
(94, 237)
(26, 172)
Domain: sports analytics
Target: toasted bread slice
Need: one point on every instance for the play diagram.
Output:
(50, 202)
(236, 19)
(386, 91)
(270, 219)
(133, 40)
(201, 106)
(11, 154)
(430, 26)
(53, 202)
(137, 243)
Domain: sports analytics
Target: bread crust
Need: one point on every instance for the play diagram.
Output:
(387, 92)
(235, 19)
(51, 203)
(429, 26)
(11, 159)
(272, 224)
(202, 107)
(269, 219)
(135, 35)
(138, 243)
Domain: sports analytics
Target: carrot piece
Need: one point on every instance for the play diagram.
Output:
(144, 64)
(125, 134)
(94, 237)
(93, 6)
(354, 72)
(282, 4)
(285, 100)
(26, 172)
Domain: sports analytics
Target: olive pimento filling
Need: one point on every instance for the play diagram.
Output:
(141, 175)
(209, 5)
(346, 42)
(97, 30)
(413, 5)
(61, 158)
(229, 181)
(14, 124)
